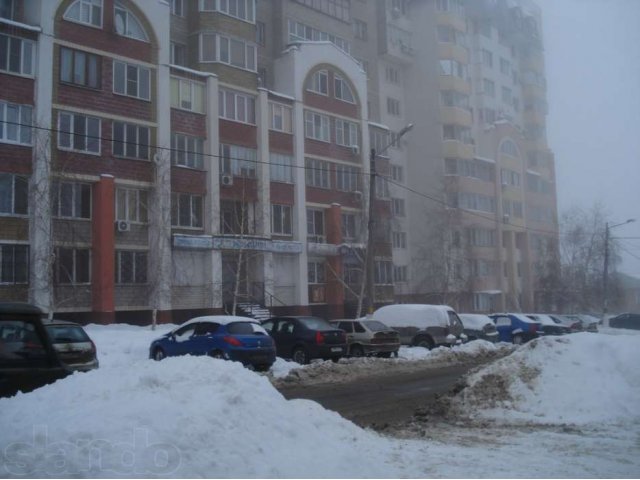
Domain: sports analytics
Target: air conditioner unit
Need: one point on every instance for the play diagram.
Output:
(226, 180)
(123, 226)
(355, 149)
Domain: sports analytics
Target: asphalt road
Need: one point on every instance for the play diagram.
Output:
(386, 398)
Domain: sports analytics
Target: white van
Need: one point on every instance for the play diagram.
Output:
(423, 325)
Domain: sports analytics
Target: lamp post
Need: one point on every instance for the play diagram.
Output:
(371, 223)
(605, 277)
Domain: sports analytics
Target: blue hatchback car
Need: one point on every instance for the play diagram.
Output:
(228, 337)
(516, 327)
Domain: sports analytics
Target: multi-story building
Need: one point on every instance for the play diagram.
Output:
(188, 156)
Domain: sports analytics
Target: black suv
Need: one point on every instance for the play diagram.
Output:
(304, 338)
(27, 357)
(626, 320)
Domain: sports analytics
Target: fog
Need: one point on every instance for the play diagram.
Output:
(593, 72)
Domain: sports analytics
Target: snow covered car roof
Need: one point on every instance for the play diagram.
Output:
(475, 320)
(542, 318)
(219, 319)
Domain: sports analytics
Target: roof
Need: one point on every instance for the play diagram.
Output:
(19, 308)
(219, 319)
(57, 321)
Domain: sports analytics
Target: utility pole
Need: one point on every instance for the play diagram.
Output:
(605, 276)
(369, 263)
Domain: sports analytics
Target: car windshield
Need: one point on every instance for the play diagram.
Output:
(375, 326)
(245, 328)
(315, 323)
(19, 342)
(67, 334)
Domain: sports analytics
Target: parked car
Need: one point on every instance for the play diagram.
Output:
(229, 337)
(626, 320)
(423, 325)
(573, 322)
(479, 327)
(589, 322)
(369, 337)
(28, 359)
(73, 345)
(303, 338)
(549, 325)
(516, 328)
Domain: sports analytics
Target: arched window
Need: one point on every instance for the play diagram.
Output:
(509, 147)
(319, 82)
(342, 90)
(88, 12)
(127, 24)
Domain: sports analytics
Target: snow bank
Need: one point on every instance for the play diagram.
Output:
(183, 417)
(581, 378)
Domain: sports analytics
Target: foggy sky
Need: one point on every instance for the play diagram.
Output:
(592, 50)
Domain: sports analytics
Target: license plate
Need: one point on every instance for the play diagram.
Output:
(336, 349)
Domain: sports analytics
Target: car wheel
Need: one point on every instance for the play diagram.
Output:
(217, 354)
(518, 340)
(300, 356)
(385, 354)
(357, 351)
(425, 342)
(396, 353)
(158, 354)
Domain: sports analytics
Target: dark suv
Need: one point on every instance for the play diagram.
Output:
(28, 360)
(626, 320)
(304, 338)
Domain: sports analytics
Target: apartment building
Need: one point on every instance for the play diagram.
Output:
(187, 157)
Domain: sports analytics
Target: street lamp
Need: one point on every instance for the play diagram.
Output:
(371, 223)
(605, 277)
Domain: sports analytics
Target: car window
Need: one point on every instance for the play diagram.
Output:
(316, 323)
(184, 333)
(503, 322)
(268, 325)
(375, 326)
(19, 342)
(206, 328)
(346, 326)
(358, 328)
(286, 326)
(454, 320)
(67, 334)
(245, 328)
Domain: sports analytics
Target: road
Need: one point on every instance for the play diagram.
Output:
(385, 398)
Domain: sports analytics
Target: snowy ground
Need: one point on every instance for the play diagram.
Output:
(557, 407)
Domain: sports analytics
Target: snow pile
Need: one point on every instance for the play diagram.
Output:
(581, 379)
(183, 417)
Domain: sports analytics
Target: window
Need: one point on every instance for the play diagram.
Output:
(483, 268)
(71, 266)
(131, 267)
(88, 12)
(281, 220)
(346, 133)
(488, 115)
(317, 173)
(487, 58)
(512, 207)
(131, 80)
(230, 51)
(301, 32)
(242, 9)
(187, 95)
(383, 273)
(347, 178)
(399, 240)
(379, 141)
(393, 106)
(393, 75)
(261, 34)
(382, 188)
(397, 173)
(319, 82)
(400, 273)
(238, 161)
(455, 6)
(187, 151)
(359, 29)
(131, 141)
(237, 218)
(509, 147)
(481, 237)
(7, 9)
(473, 201)
(454, 68)
(315, 226)
(178, 54)
(186, 210)
(79, 68)
(509, 177)
(458, 133)
(71, 200)
(79, 133)
(281, 167)
(15, 121)
(127, 24)
(488, 87)
(507, 96)
(131, 205)
(349, 227)
(398, 207)
(470, 168)
(280, 117)
(17, 55)
(483, 302)
(177, 8)
(316, 272)
(14, 264)
(505, 66)
(342, 90)
(316, 126)
(453, 98)
(339, 9)
(14, 194)
(236, 106)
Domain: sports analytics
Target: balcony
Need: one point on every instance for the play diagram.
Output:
(456, 116)
(451, 82)
(452, 19)
(457, 149)
(454, 52)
